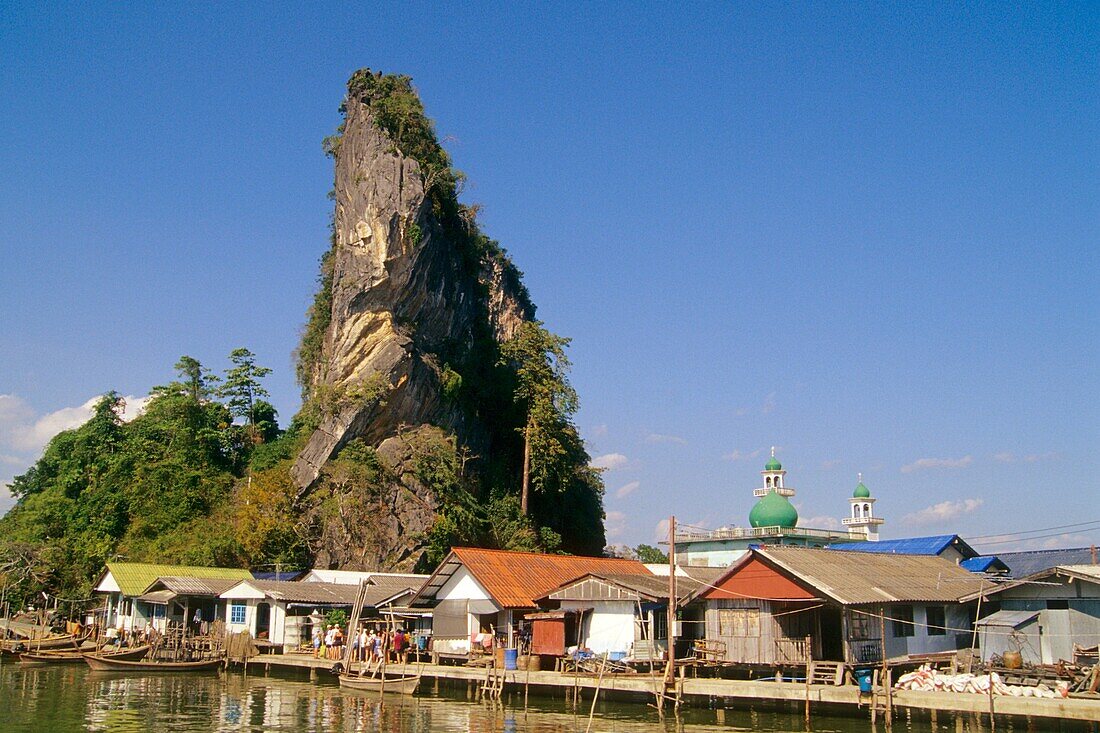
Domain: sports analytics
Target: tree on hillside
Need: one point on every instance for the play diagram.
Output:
(541, 368)
(242, 386)
(196, 379)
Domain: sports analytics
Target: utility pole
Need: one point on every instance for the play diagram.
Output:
(670, 668)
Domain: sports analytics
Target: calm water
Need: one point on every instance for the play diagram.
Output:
(71, 698)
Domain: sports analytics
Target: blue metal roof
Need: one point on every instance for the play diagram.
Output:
(1021, 564)
(984, 564)
(909, 546)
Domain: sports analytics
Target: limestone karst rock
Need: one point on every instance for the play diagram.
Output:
(405, 294)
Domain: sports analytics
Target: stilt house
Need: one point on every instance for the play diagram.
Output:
(791, 605)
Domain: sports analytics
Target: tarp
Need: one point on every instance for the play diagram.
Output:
(449, 619)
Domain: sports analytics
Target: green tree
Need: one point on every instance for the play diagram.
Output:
(542, 386)
(650, 554)
(242, 386)
(197, 381)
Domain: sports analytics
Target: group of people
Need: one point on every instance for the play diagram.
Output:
(367, 644)
(120, 637)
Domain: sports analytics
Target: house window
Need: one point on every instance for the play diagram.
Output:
(660, 624)
(937, 620)
(739, 622)
(236, 613)
(862, 626)
(902, 621)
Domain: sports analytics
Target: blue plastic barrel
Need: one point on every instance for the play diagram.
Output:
(863, 677)
(510, 656)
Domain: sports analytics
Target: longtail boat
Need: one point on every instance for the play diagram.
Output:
(111, 664)
(70, 656)
(20, 646)
(400, 685)
(378, 681)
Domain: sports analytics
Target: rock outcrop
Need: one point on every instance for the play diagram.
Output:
(406, 294)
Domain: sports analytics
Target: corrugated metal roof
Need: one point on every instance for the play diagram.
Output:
(189, 586)
(1011, 619)
(516, 579)
(291, 591)
(1022, 564)
(910, 546)
(160, 597)
(646, 587)
(851, 578)
(352, 577)
(1092, 571)
(133, 578)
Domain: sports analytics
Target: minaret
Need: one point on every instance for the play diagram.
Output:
(773, 509)
(863, 518)
(773, 474)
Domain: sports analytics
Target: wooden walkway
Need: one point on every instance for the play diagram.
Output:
(734, 691)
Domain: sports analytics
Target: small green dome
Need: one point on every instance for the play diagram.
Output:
(861, 492)
(773, 510)
(773, 465)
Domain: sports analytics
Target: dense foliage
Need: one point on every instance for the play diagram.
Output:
(163, 487)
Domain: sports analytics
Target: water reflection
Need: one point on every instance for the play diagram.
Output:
(69, 698)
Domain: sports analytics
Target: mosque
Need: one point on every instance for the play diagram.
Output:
(773, 520)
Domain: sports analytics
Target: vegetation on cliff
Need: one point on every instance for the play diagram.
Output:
(532, 481)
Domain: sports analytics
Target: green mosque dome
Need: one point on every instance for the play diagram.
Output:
(773, 510)
(773, 465)
(861, 492)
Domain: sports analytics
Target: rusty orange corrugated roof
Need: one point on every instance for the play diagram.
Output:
(516, 579)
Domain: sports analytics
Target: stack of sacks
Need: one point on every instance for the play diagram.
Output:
(927, 679)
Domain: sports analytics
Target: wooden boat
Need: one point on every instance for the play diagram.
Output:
(19, 646)
(63, 656)
(405, 685)
(111, 664)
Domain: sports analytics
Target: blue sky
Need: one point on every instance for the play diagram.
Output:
(866, 234)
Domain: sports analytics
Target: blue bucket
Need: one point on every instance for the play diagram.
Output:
(616, 656)
(863, 677)
(510, 656)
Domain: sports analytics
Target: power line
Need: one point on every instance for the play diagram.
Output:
(1034, 537)
(1031, 531)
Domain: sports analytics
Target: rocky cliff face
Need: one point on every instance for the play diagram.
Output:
(406, 295)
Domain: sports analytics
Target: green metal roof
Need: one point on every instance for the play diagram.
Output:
(133, 578)
(861, 492)
(773, 465)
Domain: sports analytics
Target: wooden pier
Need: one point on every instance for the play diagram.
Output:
(838, 698)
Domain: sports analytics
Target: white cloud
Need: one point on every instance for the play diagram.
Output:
(830, 464)
(942, 512)
(24, 433)
(599, 431)
(740, 455)
(769, 404)
(660, 531)
(614, 524)
(924, 463)
(661, 438)
(627, 489)
(610, 461)
(1009, 457)
(822, 522)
